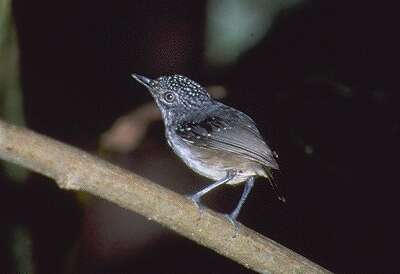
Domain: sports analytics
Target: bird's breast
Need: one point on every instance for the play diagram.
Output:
(211, 163)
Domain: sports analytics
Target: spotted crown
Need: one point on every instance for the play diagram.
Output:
(183, 87)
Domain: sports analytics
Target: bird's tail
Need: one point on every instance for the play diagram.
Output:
(274, 185)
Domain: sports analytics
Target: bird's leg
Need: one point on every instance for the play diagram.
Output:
(196, 197)
(247, 189)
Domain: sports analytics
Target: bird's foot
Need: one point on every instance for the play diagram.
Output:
(196, 200)
(232, 219)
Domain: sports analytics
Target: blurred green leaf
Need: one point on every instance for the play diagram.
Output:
(22, 250)
(234, 26)
(11, 106)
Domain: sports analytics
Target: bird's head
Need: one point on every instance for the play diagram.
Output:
(176, 95)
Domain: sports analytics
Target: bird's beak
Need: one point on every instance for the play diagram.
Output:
(143, 80)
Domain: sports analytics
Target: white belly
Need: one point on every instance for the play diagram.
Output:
(216, 170)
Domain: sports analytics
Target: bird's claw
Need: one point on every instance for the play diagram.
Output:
(196, 201)
(233, 221)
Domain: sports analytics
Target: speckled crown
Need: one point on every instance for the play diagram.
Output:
(183, 86)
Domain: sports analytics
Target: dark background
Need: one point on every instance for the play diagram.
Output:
(322, 86)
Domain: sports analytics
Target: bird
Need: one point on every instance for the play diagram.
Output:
(214, 140)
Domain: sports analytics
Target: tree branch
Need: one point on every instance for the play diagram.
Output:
(73, 169)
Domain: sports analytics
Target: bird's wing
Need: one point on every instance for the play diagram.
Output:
(229, 130)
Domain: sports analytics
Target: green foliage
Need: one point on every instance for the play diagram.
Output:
(11, 107)
(22, 250)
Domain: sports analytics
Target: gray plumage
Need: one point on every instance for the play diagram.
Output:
(215, 140)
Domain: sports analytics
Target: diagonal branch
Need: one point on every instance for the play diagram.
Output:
(73, 169)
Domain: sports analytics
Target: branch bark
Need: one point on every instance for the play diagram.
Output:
(73, 169)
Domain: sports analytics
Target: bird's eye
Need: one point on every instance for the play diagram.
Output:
(169, 97)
